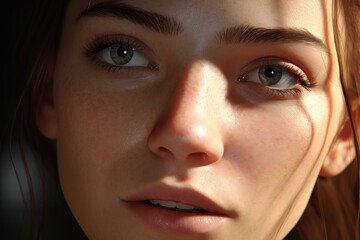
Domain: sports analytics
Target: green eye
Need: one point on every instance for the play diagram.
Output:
(270, 75)
(124, 56)
(121, 55)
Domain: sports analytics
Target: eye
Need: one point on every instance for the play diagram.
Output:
(279, 78)
(272, 76)
(123, 55)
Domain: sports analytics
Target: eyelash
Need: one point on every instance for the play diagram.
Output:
(301, 78)
(93, 49)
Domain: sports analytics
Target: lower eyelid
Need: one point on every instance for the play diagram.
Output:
(292, 92)
(116, 68)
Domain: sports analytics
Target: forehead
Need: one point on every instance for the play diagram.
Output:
(213, 14)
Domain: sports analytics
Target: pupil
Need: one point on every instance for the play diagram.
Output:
(270, 72)
(122, 51)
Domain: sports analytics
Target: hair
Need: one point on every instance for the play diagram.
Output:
(333, 209)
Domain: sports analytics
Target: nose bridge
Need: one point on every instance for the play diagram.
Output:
(189, 129)
(197, 90)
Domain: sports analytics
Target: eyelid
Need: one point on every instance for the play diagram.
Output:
(99, 43)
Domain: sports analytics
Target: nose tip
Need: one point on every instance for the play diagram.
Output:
(197, 145)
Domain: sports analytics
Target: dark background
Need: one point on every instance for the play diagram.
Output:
(6, 38)
(15, 223)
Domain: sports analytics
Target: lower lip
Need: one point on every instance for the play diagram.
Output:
(162, 219)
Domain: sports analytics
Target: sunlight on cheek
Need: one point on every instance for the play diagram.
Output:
(270, 148)
(288, 142)
(317, 108)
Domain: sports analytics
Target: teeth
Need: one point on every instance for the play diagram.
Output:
(168, 204)
(156, 202)
(171, 204)
(184, 206)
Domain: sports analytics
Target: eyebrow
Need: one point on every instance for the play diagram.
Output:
(246, 33)
(160, 23)
(167, 25)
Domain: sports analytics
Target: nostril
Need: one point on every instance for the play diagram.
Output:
(200, 157)
(164, 152)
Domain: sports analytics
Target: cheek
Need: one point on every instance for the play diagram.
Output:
(100, 133)
(99, 125)
(273, 149)
(273, 138)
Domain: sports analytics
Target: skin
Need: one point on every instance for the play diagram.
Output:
(255, 154)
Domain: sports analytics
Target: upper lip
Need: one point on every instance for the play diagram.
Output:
(177, 194)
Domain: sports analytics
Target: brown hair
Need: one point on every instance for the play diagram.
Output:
(333, 209)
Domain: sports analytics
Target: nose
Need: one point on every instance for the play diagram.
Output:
(189, 130)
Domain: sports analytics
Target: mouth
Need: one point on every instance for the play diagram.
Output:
(164, 208)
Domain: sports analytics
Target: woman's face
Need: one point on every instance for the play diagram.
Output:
(228, 107)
